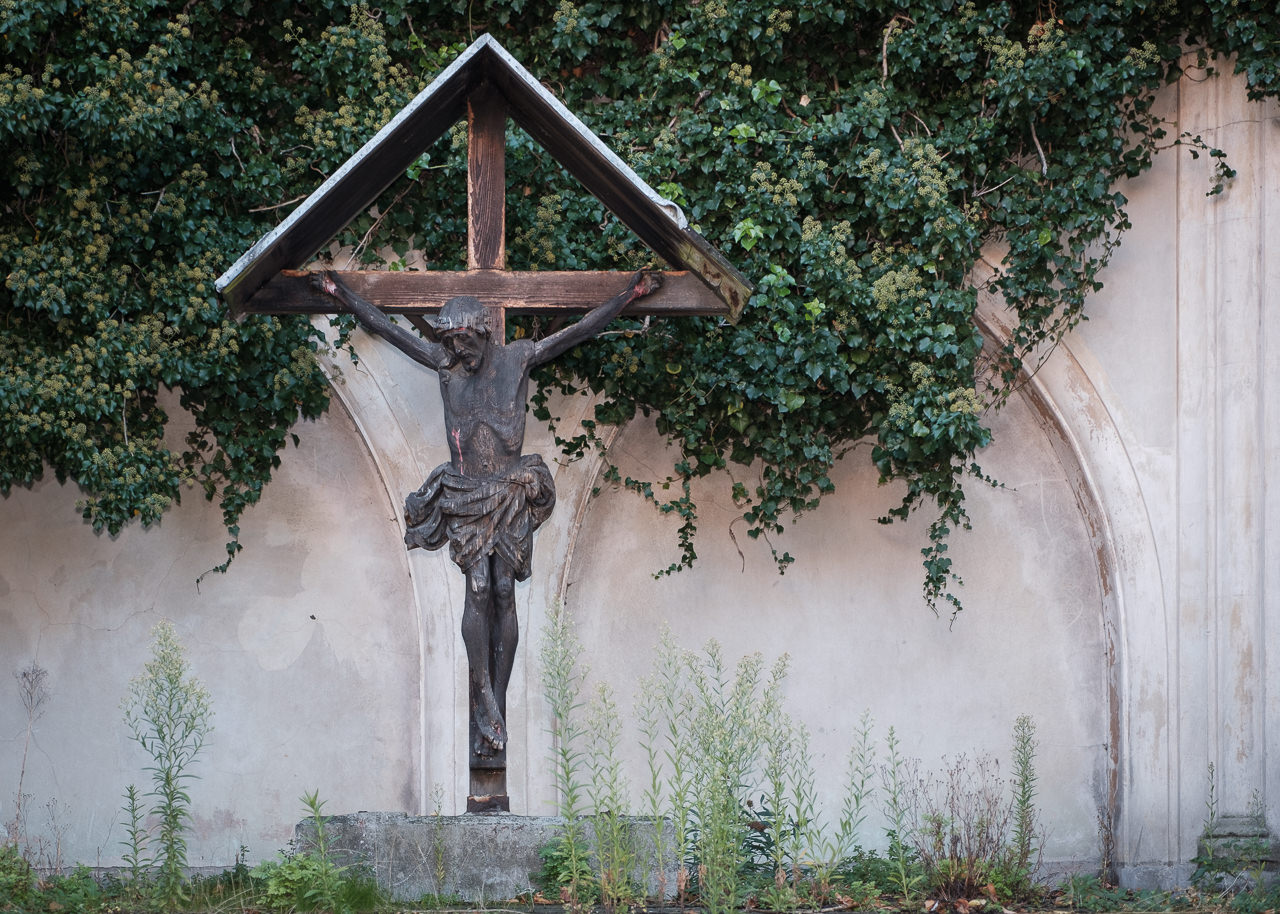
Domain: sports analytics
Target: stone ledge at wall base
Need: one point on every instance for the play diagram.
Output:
(478, 858)
(1236, 850)
(1239, 850)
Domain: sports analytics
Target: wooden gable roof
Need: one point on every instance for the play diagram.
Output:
(658, 222)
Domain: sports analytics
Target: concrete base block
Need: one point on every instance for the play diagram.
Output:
(1160, 877)
(478, 858)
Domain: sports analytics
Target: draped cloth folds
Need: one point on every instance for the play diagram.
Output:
(479, 516)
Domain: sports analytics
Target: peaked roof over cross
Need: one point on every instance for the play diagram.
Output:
(486, 85)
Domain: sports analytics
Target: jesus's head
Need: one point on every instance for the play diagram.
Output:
(464, 325)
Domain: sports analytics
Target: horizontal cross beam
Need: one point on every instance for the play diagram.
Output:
(414, 292)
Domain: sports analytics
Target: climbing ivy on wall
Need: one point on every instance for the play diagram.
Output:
(852, 158)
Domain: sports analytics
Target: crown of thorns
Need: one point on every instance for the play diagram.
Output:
(464, 312)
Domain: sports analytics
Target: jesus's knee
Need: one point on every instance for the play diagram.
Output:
(504, 590)
(479, 582)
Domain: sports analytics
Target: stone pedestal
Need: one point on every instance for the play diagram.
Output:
(478, 858)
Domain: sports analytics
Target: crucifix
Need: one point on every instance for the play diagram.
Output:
(485, 503)
(488, 500)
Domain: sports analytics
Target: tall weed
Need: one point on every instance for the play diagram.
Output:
(786, 801)
(729, 768)
(832, 850)
(895, 776)
(614, 845)
(168, 714)
(726, 741)
(651, 719)
(1027, 843)
(672, 705)
(566, 862)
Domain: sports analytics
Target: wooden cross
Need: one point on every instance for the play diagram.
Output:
(489, 86)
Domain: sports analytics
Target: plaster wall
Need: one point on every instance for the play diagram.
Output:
(309, 648)
(1120, 587)
(849, 614)
(1166, 395)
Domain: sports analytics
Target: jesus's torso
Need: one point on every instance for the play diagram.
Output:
(484, 412)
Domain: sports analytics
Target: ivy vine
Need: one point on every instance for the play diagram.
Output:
(852, 157)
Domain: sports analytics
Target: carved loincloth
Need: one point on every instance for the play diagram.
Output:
(481, 516)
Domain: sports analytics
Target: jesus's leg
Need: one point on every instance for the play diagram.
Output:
(477, 621)
(504, 634)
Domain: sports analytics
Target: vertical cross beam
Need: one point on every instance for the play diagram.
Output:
(486, 250)
(487, 184)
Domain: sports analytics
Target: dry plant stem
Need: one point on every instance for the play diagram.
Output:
(440, 871)
(34, 693)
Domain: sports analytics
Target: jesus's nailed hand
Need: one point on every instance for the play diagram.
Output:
(323, 282)
(645, 282)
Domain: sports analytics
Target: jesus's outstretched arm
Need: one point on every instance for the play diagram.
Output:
(433, 355)
(597, 319)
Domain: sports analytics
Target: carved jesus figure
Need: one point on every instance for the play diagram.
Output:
(489, 498)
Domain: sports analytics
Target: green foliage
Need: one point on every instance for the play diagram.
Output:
(852, 159)
(17, 881)
(307, 882)
(310, 880)
(433, 902)
(168, 714)
(137, 137)
(215, 892)
(74, 891)
(1086, 892)
(291, 882)
(1258, 899)
(566, 875)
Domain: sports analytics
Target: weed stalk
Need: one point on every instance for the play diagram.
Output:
(562, 685)
(168, 714)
